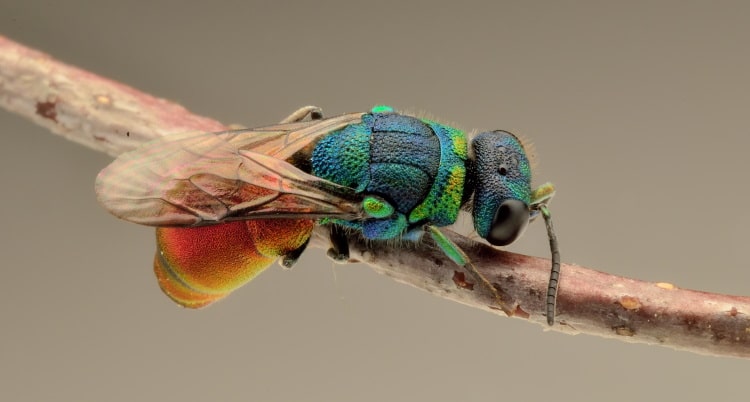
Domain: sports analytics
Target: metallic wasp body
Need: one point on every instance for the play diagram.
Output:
(226, 205)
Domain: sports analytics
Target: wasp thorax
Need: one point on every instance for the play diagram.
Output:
(502, 187)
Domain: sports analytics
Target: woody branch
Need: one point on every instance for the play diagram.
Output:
(111, 117)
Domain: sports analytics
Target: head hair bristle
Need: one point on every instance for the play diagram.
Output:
(469, 138)
(422, 114)
(530, 148)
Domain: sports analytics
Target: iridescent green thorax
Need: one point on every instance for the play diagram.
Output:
(416, 168)
(343, 157)
(444, 200)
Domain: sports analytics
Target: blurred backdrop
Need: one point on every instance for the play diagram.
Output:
(639, 113)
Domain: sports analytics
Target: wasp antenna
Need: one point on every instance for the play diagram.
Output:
(554, 275)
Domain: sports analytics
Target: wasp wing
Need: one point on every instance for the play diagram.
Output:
(194, 179)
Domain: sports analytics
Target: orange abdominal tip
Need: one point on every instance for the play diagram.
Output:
(178, 291)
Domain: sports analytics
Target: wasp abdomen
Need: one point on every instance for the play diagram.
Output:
(198, 266)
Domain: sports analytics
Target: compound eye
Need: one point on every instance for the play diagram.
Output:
(509, 222)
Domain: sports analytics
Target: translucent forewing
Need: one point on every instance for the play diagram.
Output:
(196, 179)
(233, 190)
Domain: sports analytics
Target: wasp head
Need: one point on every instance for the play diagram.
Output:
(502, 187)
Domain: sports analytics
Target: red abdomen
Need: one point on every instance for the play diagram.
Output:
(197, 266)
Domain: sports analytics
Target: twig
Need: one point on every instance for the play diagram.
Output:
(85, 108)
(113, 118)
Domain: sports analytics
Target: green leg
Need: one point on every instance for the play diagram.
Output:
(298, 115)
(459, 257)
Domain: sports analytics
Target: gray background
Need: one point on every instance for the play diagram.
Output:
(639, 114)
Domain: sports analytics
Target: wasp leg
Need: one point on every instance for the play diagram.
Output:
(339, 251)
(290, 258)
(458, 256)
(298, 115)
